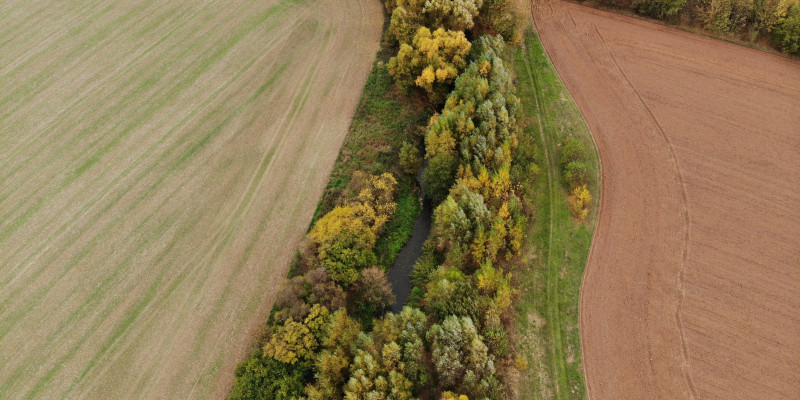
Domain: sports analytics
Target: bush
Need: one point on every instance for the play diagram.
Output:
(577, 174)
(573, 150)
(410, 159)
(579, 202)
(660, 9)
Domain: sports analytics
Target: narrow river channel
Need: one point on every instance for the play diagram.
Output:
(400, 273)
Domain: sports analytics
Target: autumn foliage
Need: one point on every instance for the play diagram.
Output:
(329, 329)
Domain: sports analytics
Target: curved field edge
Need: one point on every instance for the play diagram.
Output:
(557, 246)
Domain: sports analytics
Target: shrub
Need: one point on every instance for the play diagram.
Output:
(573, 150)
(660, 9)
(576, 174)
(579, 202)
(410, 160)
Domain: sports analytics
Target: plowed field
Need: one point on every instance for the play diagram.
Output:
(692, 288)
(159, 161)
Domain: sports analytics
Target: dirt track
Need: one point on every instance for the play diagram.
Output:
(159, 161)
(692, 288)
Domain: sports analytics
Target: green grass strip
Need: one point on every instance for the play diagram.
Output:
(550, 280)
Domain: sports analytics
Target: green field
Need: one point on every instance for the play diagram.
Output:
(158, 164)
(550, 279)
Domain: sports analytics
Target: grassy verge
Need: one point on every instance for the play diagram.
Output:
(383, 121)
(557, 246)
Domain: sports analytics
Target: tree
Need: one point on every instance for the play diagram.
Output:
(351, 223)
(453, 396)
(290, 300)
(576, 174)
(324, 291)
(479, 119)
(295, 297)
(376, 372)
(345, 257)
(499, 16)
(367, 204)
(410, 159)
(407, 16)
(432, 61)
(376, 191)
(332, 363)
(408, 330)
(786, 32)
(265, 378)
(457, 15)
(372, 291)
(450, 292)
(459, 222)
(439, 176)
(291, 343)
(460, 357)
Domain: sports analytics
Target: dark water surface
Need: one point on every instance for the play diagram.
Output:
(399, 274)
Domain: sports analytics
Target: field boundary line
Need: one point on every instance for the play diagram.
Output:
(534, 4)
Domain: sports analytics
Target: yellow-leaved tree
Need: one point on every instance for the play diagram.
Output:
(432, 62)
(453, 396)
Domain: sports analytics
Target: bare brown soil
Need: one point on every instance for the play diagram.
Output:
(692, 288)
(159, 162)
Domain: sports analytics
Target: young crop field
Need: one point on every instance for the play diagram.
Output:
(691, 285)
(159, 162)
